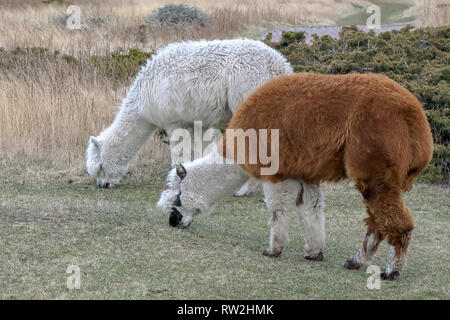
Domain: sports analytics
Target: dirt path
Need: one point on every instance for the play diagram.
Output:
(332, 31)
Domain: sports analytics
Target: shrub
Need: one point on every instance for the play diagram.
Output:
(34, 56)
(178, 15)
(416, 58)
(96, 21)
(60, 2)
(61, 19)
(120, 66)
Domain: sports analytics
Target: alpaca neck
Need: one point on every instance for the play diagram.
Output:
(213, 181)
(123, 140)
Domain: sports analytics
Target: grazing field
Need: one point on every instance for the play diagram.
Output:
(60, 86)
(126, 249)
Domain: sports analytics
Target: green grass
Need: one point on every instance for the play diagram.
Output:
(126, 249)
(390, 12)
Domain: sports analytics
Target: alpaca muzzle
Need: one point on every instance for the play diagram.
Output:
(175, 218)
(103, 185)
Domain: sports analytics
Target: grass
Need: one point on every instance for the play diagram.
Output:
(390, 12)
(50, 105)
(126, 250)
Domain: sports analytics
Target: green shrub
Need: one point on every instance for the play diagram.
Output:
(418, 59)
(178, 15)
(33, 56)
(120, 66)
(60, 2)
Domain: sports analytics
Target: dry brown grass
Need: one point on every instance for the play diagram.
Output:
(49, 107)
(25, 24)
(434, 12)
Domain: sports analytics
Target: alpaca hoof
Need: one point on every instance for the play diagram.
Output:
(350, 264)
(275, 254)
(391, 276)
(315, 257)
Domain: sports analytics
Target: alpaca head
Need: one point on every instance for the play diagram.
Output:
(180, 199)
(101, 165)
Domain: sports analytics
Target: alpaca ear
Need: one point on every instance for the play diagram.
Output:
(94, 141)
(181, 171)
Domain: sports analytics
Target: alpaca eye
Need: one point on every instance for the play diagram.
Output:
(177, 202)
(100, 167)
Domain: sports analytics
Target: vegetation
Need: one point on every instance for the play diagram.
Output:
(59, 86)
(121, 66)
(418, 59)
(125, 248)
(390, 13)
(60, 2)
(179, 15)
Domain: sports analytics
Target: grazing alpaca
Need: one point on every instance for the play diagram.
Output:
(364, 127)
(196, 187)
(193, 188)
(184, 82)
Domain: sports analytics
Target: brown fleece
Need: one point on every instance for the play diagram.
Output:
(362, 126)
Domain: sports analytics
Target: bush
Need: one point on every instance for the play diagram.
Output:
(60, 2)
(416, 58)
(178, 15)
(34, 56)
(96, 21)
(61, 19)
(120, 66)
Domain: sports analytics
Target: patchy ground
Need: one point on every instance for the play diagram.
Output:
(126, 250)
(332, 31)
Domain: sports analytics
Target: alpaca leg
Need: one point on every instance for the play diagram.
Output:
(396, 263)
(396, 226)
(398, 234)
(280, 199)
(388, 218)
(248, 187)
(312, 219)
(368, 248)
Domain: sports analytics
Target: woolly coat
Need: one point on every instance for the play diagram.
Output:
(362, 126)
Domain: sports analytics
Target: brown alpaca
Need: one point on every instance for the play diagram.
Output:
(362, 126)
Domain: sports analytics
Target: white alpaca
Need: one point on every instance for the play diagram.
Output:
(184, 82)
(198, 186)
